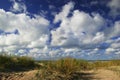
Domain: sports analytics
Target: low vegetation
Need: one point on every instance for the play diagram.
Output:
(70, 69)
(106, 64)
(62, 69)
(59, 69)
(14, 63)
(115, 69)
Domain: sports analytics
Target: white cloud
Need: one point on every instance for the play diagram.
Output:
(35, 50)
(94, 2)
(18, 6)
(33, 32)
(116, 31)
(8, 40)
(115, 7)
(64, 13)
(39, 53)
(77, 30)
(93, 52)
(113, 30)
(99, 37)
(118, 53)
(22, 51)
(84, 31)
(78, 35)
(110, 50)
(115, 45)
(55, 53)
(37, 43)
(51, 7)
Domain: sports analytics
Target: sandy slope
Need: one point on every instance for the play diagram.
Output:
(28, 75)
(101, 74)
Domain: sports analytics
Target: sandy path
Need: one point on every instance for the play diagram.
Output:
(104, 74)
(101, 74)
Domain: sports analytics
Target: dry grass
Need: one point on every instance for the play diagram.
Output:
(115, 69)
(63, 69)
(106, 64)
(66, 69)
(64, 66)
(57, 70)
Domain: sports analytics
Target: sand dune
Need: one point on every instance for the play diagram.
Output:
(100, 74)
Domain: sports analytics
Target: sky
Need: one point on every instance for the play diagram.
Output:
(52, 29)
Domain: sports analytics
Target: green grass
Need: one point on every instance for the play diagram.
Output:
(15, 63)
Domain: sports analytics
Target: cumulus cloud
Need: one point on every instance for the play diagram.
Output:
(109, 50)
(31, 32)
(77, 30)
(79, 34)
(99, 37)
(114, 47)
(40, 53)
(84, 31)
(18, 6)
(116, 31)
(8, 40)
(116, 44)
(64, 13)
(115, 7)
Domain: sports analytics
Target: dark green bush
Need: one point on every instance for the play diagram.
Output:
(16, 63)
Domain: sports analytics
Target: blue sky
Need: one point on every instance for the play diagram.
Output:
(50, 29)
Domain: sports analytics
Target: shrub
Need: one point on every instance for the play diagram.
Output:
(16, 63)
